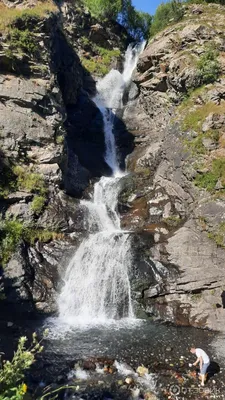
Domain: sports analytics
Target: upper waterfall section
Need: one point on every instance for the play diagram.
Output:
(109, 99)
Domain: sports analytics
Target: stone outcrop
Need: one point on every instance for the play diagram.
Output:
(51, 145)
(184, 254)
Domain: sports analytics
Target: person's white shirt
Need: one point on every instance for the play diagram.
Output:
(202, 353)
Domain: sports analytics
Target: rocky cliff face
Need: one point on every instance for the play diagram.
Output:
(52, 147)
(177, 193)
(51, 140)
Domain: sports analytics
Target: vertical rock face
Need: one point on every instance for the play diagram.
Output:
(51, 142)
(176, 193)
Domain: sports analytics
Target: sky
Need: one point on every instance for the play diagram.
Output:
(147, 5)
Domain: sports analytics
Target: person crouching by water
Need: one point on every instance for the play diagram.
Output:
(204, 361)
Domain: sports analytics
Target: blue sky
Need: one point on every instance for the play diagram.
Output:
(147, 5)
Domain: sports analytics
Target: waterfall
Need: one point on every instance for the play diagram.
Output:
(96, 284)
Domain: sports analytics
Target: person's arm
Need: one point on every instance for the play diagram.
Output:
(201, 362)
(197, 361)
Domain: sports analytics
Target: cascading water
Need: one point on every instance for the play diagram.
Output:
(97, 286)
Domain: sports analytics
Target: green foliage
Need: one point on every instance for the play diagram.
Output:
(172, 221)
(166, 14)
(22, 40)
(209, 179)
(194, 118)
(8, 15)
(10, 236)
(12, 372)
(13, 232)
(101, 65)
(219, 235)
(136, 22)
(208, 66)
(196, 145)
(104, 9)
(94, 66)
(60, 139)
(38, 204)
(27, 180)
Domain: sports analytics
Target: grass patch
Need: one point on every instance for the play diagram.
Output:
(38, 204)
(29, 181)
(13, 232)
(196, 146)
(94, 66)
(9, 15)
(100, 65)
(208, 180)
(219, 235)
(22, 40)
(172, 221)
(195, 118)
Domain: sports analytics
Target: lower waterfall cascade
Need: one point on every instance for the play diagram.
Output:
(96, 283)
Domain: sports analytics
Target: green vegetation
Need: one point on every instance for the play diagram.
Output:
(166, 14)
(38, 204)
(172, 221)
(10, 235)
(208, 66)
(219, 235)
(12, 373)
(196, 146)
(222, 2)
(104, 9)
(60, 139)
(13, 232)
(30, 181)
(196, 297)
(9, 15)
(101, 64)
(136, 22)
(194, 119)
(23, 40)
(209, 179)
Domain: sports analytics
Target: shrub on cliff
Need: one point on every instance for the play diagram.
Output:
(166, 14)
(104, 8)
(208, 66)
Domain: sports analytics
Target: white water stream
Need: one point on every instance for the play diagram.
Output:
(96, 284)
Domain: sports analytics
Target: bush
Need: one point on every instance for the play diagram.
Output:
(104, 8)
(12, 373)
(208, 66)
(209, 179)
(38, 204)
(27, 180)
(23, 40)
(13, 232)
(166, 14)
(10, 236)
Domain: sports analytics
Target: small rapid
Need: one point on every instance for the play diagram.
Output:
(96, 283)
